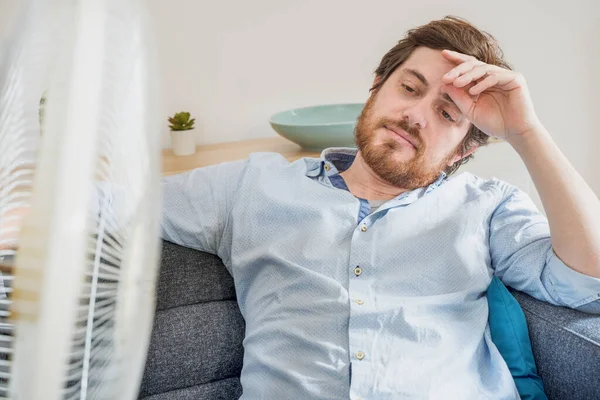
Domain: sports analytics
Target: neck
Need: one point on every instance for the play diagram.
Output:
(364, 183)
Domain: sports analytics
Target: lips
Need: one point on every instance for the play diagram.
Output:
(403, 135)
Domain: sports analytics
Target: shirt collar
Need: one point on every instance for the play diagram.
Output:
(334, 160)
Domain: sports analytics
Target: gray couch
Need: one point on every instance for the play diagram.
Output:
(196, 346)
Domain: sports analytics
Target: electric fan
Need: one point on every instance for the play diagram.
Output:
(76, 309)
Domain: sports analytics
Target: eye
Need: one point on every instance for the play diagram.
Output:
(408, 89)
(447, 116)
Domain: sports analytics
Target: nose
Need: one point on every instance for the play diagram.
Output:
(415, 116)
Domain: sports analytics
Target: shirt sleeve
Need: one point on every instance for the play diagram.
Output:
(523, 258)
(197, 205)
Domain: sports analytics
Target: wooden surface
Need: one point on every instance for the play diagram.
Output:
(218, 153)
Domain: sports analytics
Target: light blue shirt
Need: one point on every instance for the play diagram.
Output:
(342, 303)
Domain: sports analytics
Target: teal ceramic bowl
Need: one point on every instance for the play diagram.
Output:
(318, 127)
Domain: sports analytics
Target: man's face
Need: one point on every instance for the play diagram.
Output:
(412, 103)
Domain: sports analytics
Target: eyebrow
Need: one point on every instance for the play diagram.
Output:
(418, 75)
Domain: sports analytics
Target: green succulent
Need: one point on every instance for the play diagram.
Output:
(181, 122)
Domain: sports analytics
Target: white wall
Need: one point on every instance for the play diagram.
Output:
(234, 63)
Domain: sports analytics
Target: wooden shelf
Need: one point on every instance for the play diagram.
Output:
(222, 152)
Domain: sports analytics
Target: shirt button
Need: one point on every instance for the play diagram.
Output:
(359, 302)
(357, 271)
(360, 355)
(363, 228)
(327, 167)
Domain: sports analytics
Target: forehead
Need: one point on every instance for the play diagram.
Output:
(430, 63)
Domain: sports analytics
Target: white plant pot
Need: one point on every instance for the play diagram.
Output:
(183, 142)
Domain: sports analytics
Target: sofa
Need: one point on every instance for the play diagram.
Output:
(196, 347)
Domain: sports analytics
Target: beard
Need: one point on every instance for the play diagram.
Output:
(380, 157)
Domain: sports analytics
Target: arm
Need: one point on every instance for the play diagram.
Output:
(572, 207)
(573, 262)
(497, 101)
(523, 257)
(196, 205)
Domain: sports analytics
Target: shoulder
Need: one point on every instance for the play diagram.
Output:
(497, 193)
(276, 163)
(509, 199)
(476, 182)
(262, 160)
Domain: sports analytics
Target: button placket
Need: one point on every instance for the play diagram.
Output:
(359, 341)
(357, 273)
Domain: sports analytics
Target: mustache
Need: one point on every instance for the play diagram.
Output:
(401, 124)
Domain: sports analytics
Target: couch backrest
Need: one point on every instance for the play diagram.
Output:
(566, 348)
(196, 345)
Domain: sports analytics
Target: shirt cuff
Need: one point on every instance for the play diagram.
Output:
(571, 287)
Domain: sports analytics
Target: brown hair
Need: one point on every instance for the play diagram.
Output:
(450, 33)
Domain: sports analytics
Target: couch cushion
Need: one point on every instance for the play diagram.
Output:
(188, 276)
(196, 344)
(226, 389)
(566, 347)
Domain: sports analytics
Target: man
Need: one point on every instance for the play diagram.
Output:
(364, 273)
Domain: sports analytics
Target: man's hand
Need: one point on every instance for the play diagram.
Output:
(494, 99)
(10, 227)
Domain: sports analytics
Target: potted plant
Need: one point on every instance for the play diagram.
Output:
(183, 141)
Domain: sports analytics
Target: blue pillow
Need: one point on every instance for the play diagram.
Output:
(511, 336)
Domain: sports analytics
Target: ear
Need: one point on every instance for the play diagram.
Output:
(458, 157)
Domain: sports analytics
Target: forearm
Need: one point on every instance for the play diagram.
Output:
(572, 208)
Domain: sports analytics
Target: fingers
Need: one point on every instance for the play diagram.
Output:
(479, 75)
(456, 57)
(460, 70)
(463, 100)
(471, 76)
(488, 82)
